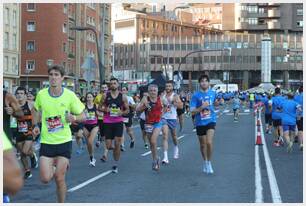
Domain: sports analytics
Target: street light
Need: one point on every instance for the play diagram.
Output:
(101, 66)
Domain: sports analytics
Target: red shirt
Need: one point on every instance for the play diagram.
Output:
(155, 113)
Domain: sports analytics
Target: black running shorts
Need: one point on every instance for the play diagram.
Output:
(202, 130)
(268, 119)
(50, 150)
(277, 122)
(112, 130)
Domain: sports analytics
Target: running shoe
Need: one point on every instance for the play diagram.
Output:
(27, 175)
(289, 147)
(281, 141)
(122, 148)
(132, 144)
(165, 161)
(205, 167)
(209, 168)
(146, 146)
(84, 141)
(103, 158)
(194, 129)
(176, 153)
(34, 161)
(92, 163)
(79, 151)
(270, 132)
(155, 165)
(115, 169)
(301, 147)
(98, 144)
(276, 144)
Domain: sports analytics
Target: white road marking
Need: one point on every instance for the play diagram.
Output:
(180, 137)
(246, 110)
(147, 153)
(258, 185)
(90, 181)
(226, 111)
(239, 113)
(276, 198)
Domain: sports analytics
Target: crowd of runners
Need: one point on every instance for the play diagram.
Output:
(52, 118)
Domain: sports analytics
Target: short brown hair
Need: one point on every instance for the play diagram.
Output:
(58, 68)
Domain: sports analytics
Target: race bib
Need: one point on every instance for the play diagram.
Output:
(125, 120)
(205, 114)
(23, 127)
(114, 112)
(168, 108)
(54, 124)
(149, 128)
(91, 116)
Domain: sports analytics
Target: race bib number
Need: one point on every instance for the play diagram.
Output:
(54, 124)
(168, 108)
(91, 116)
(22, 127)
(114, 112)
(205, 114)
(125, 120)
(149, 128)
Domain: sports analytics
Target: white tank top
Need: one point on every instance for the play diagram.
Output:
(171, 109)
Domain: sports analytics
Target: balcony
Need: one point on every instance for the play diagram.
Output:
(242, 25)
(274, 25)
(243, 13)
(274, 13)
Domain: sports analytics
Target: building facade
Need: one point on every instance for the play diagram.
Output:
(11, 46)
(46, 42)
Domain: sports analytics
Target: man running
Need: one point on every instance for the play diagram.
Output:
(58, 106)
(153, 108)
(202, 106)
(236, 106)
(171, 102)
(268, 113)
(101, 138)
(142, 120)
(128, 119)
(289, 111)
(24, 137)
(90, 126)
(181, 112)
(275, 107)
(115, 105)
(299, 121)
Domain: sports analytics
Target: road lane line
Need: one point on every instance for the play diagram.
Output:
(147, 153)
(90, 181)
(239, 114)
(180, 137)
(276, 198)
(258, 184)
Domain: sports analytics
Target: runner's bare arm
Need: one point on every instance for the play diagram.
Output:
(126, 109)
(13, 103)
(178, 103)
(141, 106)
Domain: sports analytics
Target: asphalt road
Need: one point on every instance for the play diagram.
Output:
(182, 180)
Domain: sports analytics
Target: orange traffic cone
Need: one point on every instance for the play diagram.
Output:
(258, 139)
(258, 122)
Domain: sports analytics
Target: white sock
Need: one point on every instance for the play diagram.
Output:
(165, 154)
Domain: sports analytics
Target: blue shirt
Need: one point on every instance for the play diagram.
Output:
(299, 99)
(207, 115)
(277, 102)
(289, 112)
(265, 101)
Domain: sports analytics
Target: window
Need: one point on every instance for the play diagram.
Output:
(299, 12)
(152, 47)
(7, 16)
(213, 59)
(14, 64)
(253, 21)
(132, 61)
(177, 47)
(258, 59)
(171, 60)
(232, 59)
(239, 59)
(30, 65)
(171, 47)
(165, 60)
(64, 28)
(64, 47)
(6, 40)
(245, 59)
(261, 10)
(31, 26)
(252, 9)
(219, 59)
(165, 46)
(177, 60)
(14, 41)
(183, 46)
(14, 18)
(5, 63)
(279, 59)
(152, 60)
(159, 60)
(189, 46)
(31, 7)
(206, 59)
(65, 8)
(239, 45)
(299, 23)
(30, 46)
(64, 65)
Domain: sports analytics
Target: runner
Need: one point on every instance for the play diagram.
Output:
(153, 108)
(236, 106)
(12, 174)
(56, 105)
(251, 99)
(268, 113)
(202, 106)
(275, 106)
(115, 105)
(171, 102)
(289, 111)
(24, 137)
(142, 120)
(90, 126)
(101, 138)
(78, 133)
(299, 121)
(181, 112)
(128, 119)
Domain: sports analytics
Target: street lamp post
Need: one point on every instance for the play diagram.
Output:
(101, 66)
